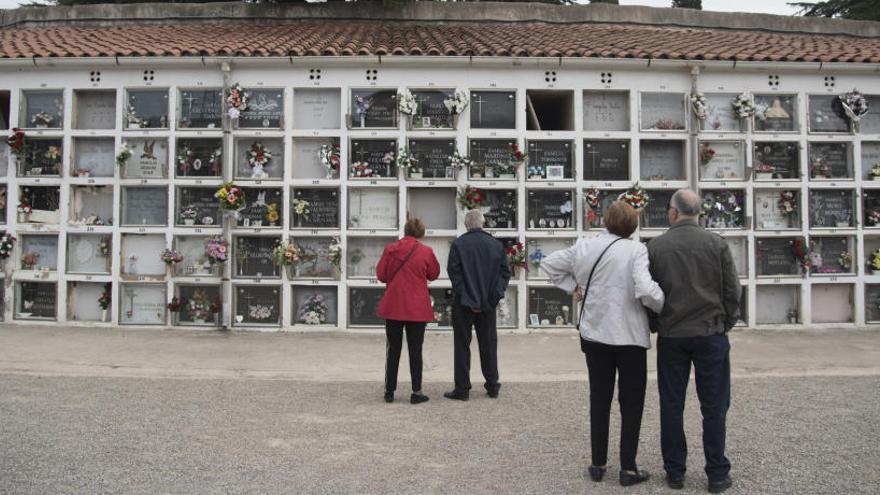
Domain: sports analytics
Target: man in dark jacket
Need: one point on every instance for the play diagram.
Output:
(695, 269)
(479, 273)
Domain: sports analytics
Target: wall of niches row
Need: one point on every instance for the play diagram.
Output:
(796, 176)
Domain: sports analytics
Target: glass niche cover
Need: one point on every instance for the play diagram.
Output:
(42, 157)
(654, 215)
(434, 206)
(663, 112)
(42, 109)
(441, 303)
(44, 201)
(39, 252)
(144, 206)
(606, 111)
(606, 160)
(372, 208)
(871, 208)
(507, 313)
(36, 300)
(199, 305)
(499, 208)
(720, 114)
(551, 160)
(538, 249)
(316, 158)
(831, 208)
(314, 305)
(197, 206)
(362, 304)
(257, 305)
(827, 114)
(596, 201)
(775, 256)
(433, 158)
(257, 158)
(141, 254)
(549, 306)
(493, 158)
(775, 113)
(662, 160)
(91, 205)
(363, 255)
(253, 257)
(493, 109)
(315, 208)
(94, 109)
(373, 158)
(315, 259)
(831, 255)
(777, 160)
(872, 303)
(199, 157)
(200, 108)
(265, 109)
(264, 207)
(777, 209)
(550, 209)
(195, 260)
(82, 301)
(149, 159)
(831, 303)
(88, 253)
(830, 161)
(373, 108)
(722, 160)
(724, 208)
(93, 157)
(146, 109)
(142, 304)
(432, 111)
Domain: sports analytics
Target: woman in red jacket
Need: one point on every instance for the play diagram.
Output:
(406, 268)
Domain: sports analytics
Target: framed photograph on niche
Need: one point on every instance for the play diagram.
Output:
(373, 108)
(373, 158)
(775, 113)
(149, 159)
(493, 109)
(551, 160)
(264, 208)
(832, 208)
(830, 161)
(550, 209)
(146, 109)
(722, 160)
(197, 207)
(265, 110)
(316, 108)
(257, 305)
(606, 111)
(200, 108)
(94, 109)
(199, 157)
(320, 207)
(42, 109)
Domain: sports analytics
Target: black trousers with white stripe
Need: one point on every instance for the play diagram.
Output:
(415, 336)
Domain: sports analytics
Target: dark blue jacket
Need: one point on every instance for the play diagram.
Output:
(478, 270)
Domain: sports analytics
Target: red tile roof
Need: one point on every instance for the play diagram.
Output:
(386, 37)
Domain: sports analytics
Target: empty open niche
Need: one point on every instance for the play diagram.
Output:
(549, 110)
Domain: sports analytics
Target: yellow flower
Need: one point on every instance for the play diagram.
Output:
(272, 216)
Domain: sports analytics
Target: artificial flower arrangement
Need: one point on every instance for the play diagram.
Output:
(272, 215)
(743, 106)
(201, 307)
(407, 161)
(123, 155)
(668, 125)
(17, 142)
(189, 214)
(516, 257)
(517, 158)
(535, 171)
(706, 154)
(24, 207)
(132, 118)
(106, 297)
(185, 159)
(536, 257)
(787, 202)
(872, 218)
(635, 196)
(802, 253)
(457, 103)
(42, 119)
(330, 158)
(854, 105)
(230, 197)
(258, 155)
(845, 260)
(30, 260)
(216, 249)
(171, 257)
(237, 100)
(334, 254)
(723, 209)
(105, 245)
(406, 102)
(7, 243)
(361, 169)
(874, 173)
(286, 254)
(820, 169)
(470, 198)
(313, 310)
(362, 106)
(700, 106)
(261, 311)
(301, 208)
(875, 260)
(764, 168)
(462, 162)
(53, 154)
(591, 202)
(174, 305)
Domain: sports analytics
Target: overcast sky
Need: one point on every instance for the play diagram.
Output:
(764, 6)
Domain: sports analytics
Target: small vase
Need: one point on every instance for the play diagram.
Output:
(24, 217)
(763, 175)
(189, 221)
(415, 175)
(842, 224)
(105, 315)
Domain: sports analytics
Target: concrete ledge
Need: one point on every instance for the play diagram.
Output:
(114, 14)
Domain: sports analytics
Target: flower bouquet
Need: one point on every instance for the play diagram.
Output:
(743, 106)
(787, 203)
(706, 154)
(591, 202)
(330, 159)
(845, 260)
(17, 142)
(171, 257)
(457, 103)
(200, 306)
(406, 161)
(258, 159)
(700, 106)
(460, 162)
(105, 245)
(189, 215)
(131, 117)
(470, 198)
(42, 119)
(874, 173)
(874, 264)
(237, 100)
(272, 215)
(123, 155)
(286, 254)
(260, 312)
(854, 105)
(53, 155)
(334, 254)
(361, 169)
(872, 218)
(406, 102)
(301, 209)
(516, 257)
(174, 305)
(802, 253)
(635, 196)
(313, 310)
(7, 243)
(106, 297)
(30, 260)
(535, 172)
(185, 159)
(230, 197)
(536, 257)
(216, 249)
(362, 106)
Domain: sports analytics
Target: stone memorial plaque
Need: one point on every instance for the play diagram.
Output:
(550, 160)
(434, 157)
(42, 110)
(43, 157)
(265, 109)
(197, 206)
(432, 112)
(372, 208)
(775, 113)
(606, 111)
(870, 122)
(43, 200)
(606, 160)
(84, 253)
(830, 208)
(831, 255)
(776, 256)
(253, 257)
(831, 303)
(82, 301)
(362, 304)
(507, 312)
(538, 249)
(200, 108)
(311, 302)
(663, 112)
(315, 263)
(549, 209)
(149, 159)
(830, 161)
(322, 205)
(45, 247)
(493, 110)
(141, 254)
(654, 215)
(722, 160)
(36, 300)
(827, 115)
(195, 262)
(91, 205)
(95, 109)
(199, 304)
(264, 208)
(721, 116)
(93, 157)
(662, 160)
(739, 249)
(259, 158)
(441, 246)
(363, 255)
(870, 157)
(441, 302)
(144, 206)
(373, 158)
(199, 157)
(872, 302)
(499, 208)
(550, 307)
(146, 109)
(435, 206)
(724, 208)
(781, 160)
(769, 214)
(371, 108)
(491, 157)
(257, 305)
(778, 304)
(142, 304)
(316, 108)
(307, 162)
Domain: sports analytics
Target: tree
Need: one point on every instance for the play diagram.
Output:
(687, 4)
(862, 10)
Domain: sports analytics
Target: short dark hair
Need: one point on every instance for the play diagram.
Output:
(621, 219)
(414, 228)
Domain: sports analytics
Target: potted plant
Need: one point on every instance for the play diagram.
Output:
(105, 300)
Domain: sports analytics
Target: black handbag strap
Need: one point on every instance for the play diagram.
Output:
(411, 251)
(590, 279)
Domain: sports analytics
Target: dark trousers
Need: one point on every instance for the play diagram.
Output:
(483, 322)
(415, 336)
(711, 358)
(629, 362)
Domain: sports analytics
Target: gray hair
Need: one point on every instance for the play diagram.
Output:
(474, 219)
(687, 203)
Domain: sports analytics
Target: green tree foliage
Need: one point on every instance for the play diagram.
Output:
(862, 10)
(687, 4)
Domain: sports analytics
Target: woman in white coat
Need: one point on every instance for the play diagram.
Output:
(614, 329)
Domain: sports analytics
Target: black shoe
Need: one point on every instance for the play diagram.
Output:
(720, 486)
(630, 478)
(493, 391)
(418, 398)
(456, 395)
(597, 473)
(389, 396)
(676, 482)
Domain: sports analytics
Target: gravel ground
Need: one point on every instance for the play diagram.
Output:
(98, 435)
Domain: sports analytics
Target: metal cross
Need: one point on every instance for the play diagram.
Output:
(478, 100)
(189, 99)
(533, 148)
(593, 158)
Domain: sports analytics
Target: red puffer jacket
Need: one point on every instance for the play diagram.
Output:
(406, 297)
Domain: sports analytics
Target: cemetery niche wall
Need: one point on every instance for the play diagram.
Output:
(330, 166)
